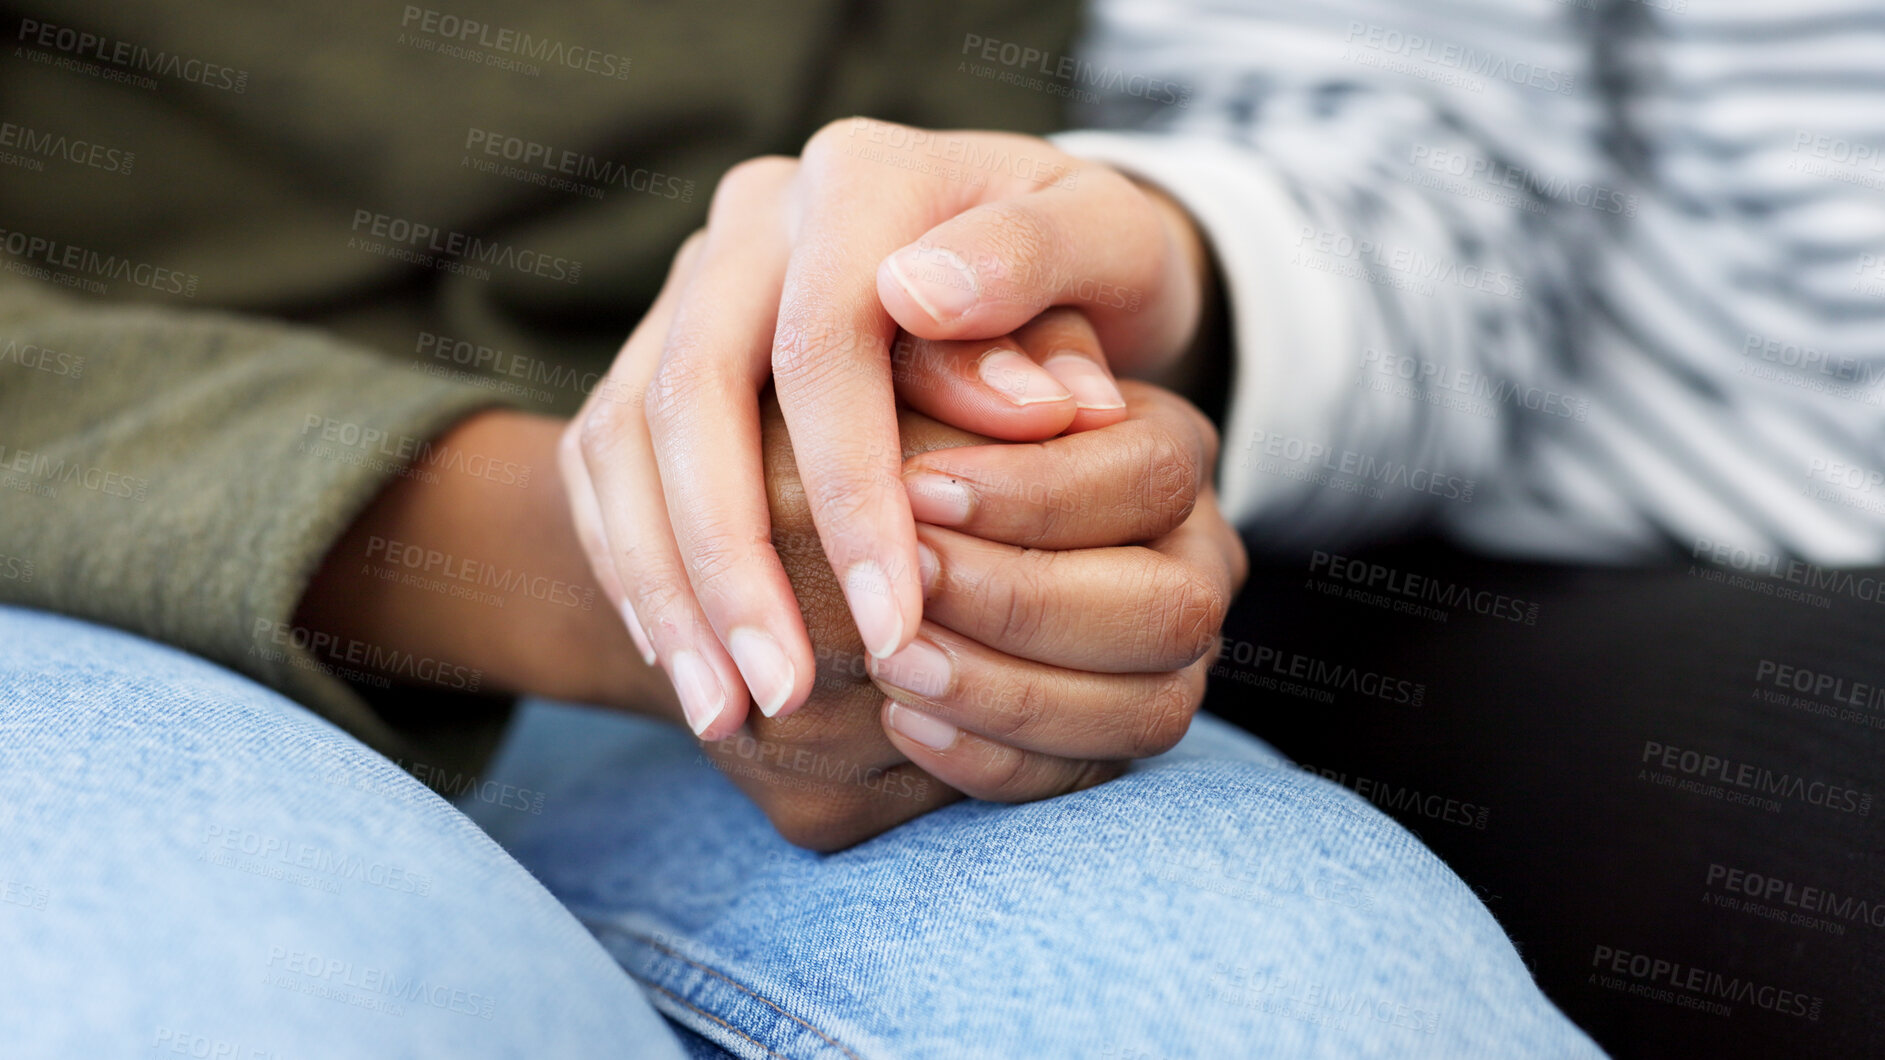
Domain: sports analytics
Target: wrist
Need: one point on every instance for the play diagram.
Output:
(1200, 368)
(469, 558)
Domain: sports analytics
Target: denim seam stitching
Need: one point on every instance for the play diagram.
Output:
(684, 1003)
(717, 974)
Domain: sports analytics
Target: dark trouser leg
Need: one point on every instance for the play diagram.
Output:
(1662, 784)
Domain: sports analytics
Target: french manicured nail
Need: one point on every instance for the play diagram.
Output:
(938, 499)
(1019, 379)
(938, 280)
(702, 698)
(921, 668)
(638, 634)
(1092, 388)
(879, 621)
(927, 565)
(762, 662)
(933, 733)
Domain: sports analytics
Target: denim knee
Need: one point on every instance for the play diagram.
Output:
(208, 868)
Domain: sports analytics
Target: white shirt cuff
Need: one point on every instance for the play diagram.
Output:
(1292, 328)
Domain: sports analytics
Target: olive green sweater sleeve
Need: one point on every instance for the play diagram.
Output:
(181, 473)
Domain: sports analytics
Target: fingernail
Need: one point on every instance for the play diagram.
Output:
(1018, 379)
(638, 634)
(933, 733)
(927, 565)
(702, 698)
(938, 280)
(762, 662)
(921, 668)
(938, 499)
(879, 621)
(1092, 388)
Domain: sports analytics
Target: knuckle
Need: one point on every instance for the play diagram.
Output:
(1027, 499)
(1047, 507)
(1112, 186)
(753, 179)
(1091, 774)
(691, 247)
(815, 361)
(839, 507)
(828, 142)
(1007, 779)
(815, 828)
(1192, 616)
(718, 559)
(1170, 483)
(1019, 713)
(569, 443)
(677, 385)
(599, 434)
(1017, 252)
(1208, 438)
(1022, 616)
(659, 598)
(1166, 716)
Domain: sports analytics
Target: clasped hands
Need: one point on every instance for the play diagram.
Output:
(864, 485)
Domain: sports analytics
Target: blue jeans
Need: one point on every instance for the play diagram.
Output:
(191, 865)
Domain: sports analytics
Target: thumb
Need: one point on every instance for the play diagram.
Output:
(1049, 377)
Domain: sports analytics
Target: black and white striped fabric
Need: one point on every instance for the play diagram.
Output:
(1594, 280)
